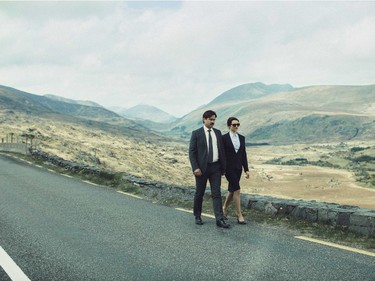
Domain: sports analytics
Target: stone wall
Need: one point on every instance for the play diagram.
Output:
(353, 218)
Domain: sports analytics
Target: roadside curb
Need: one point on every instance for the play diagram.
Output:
(353, 218)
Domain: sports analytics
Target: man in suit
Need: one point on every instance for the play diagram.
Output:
(207, 159)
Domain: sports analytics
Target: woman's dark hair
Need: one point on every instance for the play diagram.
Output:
(230, 119)
(208, 114)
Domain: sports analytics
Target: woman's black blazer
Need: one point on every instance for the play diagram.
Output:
(235, 161)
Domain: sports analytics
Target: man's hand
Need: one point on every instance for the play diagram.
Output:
(197, 172)
(247, 175)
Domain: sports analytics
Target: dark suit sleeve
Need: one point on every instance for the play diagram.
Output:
(193, 151)
(244, 156)
(222, 156)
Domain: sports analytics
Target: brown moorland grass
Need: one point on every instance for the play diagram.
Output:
(167, 161)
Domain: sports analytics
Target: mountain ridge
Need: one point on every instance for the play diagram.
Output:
(80, 102)
(36, 104)
(275, 114)
(250, 91)
(346, 105)
(147, 112)
(15, 103)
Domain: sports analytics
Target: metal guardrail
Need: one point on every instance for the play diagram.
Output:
(19, 143)
(22, 148)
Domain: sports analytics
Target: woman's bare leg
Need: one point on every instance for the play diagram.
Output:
(237, 204)
(228, 199)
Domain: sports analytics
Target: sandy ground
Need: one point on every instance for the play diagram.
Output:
(303, 182)
(307, 183)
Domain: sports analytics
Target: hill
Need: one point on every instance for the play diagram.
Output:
(16, 103)
(250, 92)
(90, 135)
(81, 102)
(289, 115)
(147, 112)
(34, 104)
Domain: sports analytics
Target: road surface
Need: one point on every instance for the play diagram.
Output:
(58, 228)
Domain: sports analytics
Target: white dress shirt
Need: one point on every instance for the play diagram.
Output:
(214, 143)
(235, 140)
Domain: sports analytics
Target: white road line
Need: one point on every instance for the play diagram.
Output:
(129, 194)
(190, 211)
(184, 210)
(11, 268)
(336, 245)
(89, 182)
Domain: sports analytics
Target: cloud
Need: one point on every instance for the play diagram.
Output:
(180, 55)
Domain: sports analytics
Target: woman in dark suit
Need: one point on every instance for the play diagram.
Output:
(235, 152)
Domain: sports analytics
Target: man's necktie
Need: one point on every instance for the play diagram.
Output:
(210, 148)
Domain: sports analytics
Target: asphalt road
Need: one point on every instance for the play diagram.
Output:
(59, 228)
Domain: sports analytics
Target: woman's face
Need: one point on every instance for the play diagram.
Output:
(234, 126)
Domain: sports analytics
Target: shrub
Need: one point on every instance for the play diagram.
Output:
(364, 158)
(357, 148)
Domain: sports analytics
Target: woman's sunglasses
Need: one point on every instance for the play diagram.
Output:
(236, 125)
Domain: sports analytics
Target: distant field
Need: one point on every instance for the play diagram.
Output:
(338, 173)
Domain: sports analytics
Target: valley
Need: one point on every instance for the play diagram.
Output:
(339, 183)
(320, 139)
(279, 171)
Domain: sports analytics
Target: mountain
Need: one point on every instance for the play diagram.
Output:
(288, 115)
(249, 92)
(98, 138)
(15, 100)
(148, 112)
(16, 103)
(79, 102)
(274, 114)
(34, 104)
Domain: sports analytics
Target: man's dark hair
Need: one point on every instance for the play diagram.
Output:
(208, 114)
(230, 119)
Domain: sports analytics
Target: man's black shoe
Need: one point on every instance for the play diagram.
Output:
(221, 223)
(198, 220)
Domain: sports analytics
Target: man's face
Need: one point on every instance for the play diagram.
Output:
(209, 122)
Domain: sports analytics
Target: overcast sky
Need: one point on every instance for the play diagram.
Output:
(178, 56)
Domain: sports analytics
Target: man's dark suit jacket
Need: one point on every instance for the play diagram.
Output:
(198, 151)
(235, 161)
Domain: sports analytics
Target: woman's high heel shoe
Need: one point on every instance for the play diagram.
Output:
(241, 222)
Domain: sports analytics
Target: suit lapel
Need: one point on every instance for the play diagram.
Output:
(203, 135)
